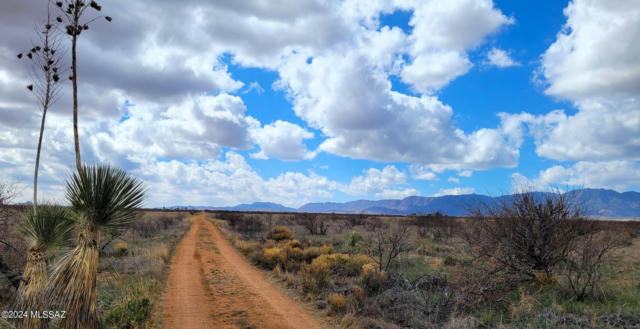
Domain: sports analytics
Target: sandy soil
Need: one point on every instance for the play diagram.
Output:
(211, 285)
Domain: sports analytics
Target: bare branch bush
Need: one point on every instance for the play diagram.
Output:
(583, 266)
(528, 232)
(314, 223)
(384, 245)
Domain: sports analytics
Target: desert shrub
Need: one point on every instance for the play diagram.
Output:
(422, 303)
(384, 246)
(337, 302)
(311, 253)
(315, 278)
(272, 257)
(351, 239)
(246, 224)
(279, 233)
(528, 232)
(121, 249)
(372, 279)
(342, 264)
(450, 260)
(294, 244)
(135, 307)
(315, 224)
(583, 266)
(147, 225)
(246, 247)
(484, 284)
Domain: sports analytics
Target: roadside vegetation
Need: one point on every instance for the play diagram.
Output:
(131, 271)
(526, 262)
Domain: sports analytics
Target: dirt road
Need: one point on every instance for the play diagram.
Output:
(211, 285)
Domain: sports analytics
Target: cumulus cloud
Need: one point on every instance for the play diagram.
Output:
(594, 63)
(229, 181)
(422, 173)
(170, 60)
(455, 191)
(378, 182)
(500, 58)
(442, 32)
(595, 52)
(618, 175)
(282, 140)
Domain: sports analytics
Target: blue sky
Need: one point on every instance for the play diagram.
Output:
(336, 101)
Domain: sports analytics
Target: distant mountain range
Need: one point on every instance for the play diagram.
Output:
(597, 202)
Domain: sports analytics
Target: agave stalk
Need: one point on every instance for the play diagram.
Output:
(104, 199)
(47, 230)
(45, 60)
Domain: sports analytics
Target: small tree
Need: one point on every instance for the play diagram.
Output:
(386, 244)
(45, 59)
(314, 223)
(72, 13)
(527, 232)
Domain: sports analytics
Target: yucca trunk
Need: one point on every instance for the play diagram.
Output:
(73, 284)
(31, 292)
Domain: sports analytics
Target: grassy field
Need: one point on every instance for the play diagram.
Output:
(131, 271)
(435, 281)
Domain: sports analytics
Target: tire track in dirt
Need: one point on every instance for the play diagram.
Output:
(211, 285)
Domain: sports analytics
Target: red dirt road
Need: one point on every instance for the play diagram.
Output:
(211, 285)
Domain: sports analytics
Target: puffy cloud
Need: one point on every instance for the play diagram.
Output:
(600, 130)
(595, 63)
(618, 175)
(229, 181)
(378, 181)
(442, 32)
(500, 58)
(596, 52)
(282, 140)
(455, 191)
(422, 172)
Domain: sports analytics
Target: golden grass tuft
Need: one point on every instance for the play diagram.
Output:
(337, 303)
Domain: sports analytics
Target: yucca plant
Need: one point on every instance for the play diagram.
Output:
(104, 199)
(47, 229)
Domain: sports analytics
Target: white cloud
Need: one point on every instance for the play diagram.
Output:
(422, 172)
(596, 53)
(616, 175)
(455, 191)
(397, 194)
(500, 58)
(376, 181)
(454, 180)
(254, 86)
(442, 32)
(594, 63)
(282, 140)
(228, 182)
(465, 173)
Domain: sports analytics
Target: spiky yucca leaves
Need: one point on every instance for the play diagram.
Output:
(104, 199)
(47, 229)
